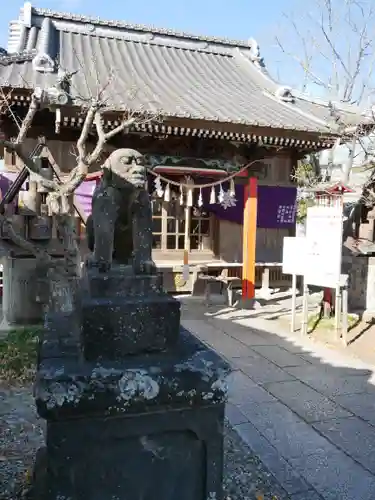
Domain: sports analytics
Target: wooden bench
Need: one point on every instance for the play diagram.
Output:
(268, 276)
(227, 283)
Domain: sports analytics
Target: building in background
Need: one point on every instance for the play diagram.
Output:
(220, 112)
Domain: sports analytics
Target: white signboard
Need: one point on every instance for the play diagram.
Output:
(324, 246)
(294, 251)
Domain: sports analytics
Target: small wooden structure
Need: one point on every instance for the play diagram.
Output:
(331, 195)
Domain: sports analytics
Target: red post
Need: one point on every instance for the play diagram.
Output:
(249, 239)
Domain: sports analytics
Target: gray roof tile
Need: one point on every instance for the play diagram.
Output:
(182, 75)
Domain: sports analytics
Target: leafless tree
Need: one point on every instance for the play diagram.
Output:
(333, 43)
(333, 47)
(93, 106)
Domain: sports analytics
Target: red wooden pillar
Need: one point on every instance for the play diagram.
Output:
(249, 239)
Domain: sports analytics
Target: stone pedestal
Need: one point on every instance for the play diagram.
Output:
(126, 314)
(20, 305)
(361, 270)
(130, 422)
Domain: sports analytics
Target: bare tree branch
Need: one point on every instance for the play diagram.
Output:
(334, 45)
(95, 104)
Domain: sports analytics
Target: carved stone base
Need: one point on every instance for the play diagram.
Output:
(126, 314)
(361, 270)
(148, 427)
(20, 307)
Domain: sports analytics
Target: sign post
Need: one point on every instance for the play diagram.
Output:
(294, 249)
(316, 257)
(294, 303)
(324, 246)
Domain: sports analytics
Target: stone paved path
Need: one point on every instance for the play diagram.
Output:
(306, 410)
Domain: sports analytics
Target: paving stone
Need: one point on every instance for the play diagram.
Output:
(280, 356)
(250, 338)
(219, 340)
(331, 383)
(306, 402)
(290, 435)
(242, 390)
(229, 347)
(360, 404)
(336, 476)
(354, 436)
(270, 457)
(262, 371)
(234, 415)
(200, 328)
(306, 495)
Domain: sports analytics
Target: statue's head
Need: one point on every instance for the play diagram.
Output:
(126, 166)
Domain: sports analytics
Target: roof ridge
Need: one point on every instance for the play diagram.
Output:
(320, 101)
(298, 94)
(262, 71)
(66, 16)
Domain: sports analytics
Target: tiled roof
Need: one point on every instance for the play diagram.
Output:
(184, 76)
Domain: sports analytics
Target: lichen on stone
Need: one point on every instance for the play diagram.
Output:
(102, 372)
(57, 394)
(220, 385)
(197, 364)
(137, 383)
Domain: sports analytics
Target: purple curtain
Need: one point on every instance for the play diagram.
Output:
(276, 206)
(83, 192)
(83, 195)
(6, 180)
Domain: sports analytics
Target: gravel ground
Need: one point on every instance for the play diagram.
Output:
(21, 434)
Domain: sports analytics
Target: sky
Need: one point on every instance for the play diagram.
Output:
(244, 19)
(239, 19)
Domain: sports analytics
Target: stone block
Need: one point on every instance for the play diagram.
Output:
(341, 431)
(336, 476)
(332, 381)
(158, 455)
(125, 314)
(148, 426)
(306, 495)
(121, 281)
(114, 328)
(361, 405)
(271, 458)
(260, 370)
(293, 438)
(306, 402)
(243, 391)
(233, 415)
(20, 287)
(280, 356)
(361, 270)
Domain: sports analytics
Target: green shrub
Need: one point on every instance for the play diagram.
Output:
(18, 355)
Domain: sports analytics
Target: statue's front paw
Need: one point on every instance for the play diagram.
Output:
(150, 267)
(146, 267)
(101, 265)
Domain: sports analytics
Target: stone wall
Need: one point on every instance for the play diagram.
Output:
(361, 270)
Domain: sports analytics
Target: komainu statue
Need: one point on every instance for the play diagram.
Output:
(119, 229)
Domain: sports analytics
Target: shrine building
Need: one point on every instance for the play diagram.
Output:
(220, 119)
